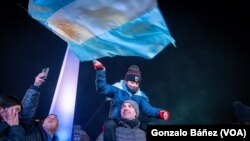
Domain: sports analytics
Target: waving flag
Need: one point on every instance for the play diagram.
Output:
(100, 28)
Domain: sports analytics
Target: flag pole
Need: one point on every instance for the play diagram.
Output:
(63, 104)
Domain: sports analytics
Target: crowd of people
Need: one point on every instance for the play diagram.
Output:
(18, 121)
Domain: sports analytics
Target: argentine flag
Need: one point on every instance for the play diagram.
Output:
(99, 28)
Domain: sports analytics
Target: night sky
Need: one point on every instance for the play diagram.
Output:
(197, 81)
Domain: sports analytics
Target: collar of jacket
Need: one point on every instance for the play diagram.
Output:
(121, 85)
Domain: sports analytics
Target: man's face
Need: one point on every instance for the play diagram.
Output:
(128, 111)
(134, 86)
(50, 123)
(4, 111)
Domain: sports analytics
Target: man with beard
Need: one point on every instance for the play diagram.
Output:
(128, 125)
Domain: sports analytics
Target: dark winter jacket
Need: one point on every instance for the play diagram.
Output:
(126, 132)
(11, 133)
(119, 93)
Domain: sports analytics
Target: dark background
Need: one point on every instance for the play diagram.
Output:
(197, 81)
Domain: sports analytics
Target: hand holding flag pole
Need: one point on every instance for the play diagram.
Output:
(98, 65)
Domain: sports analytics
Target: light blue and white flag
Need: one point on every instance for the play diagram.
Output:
(100, 28)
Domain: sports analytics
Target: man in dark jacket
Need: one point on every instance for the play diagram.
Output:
(127, 89)
(10, 130)
(37, 130)
(128, 125)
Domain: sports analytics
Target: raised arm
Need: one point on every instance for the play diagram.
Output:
(31, 100)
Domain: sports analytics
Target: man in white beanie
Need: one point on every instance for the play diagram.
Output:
(128, 125)
(130, 110)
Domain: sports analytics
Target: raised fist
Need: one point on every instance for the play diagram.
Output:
(164, 114)
(98, 65)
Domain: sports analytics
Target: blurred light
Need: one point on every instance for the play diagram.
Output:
(63, 104)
